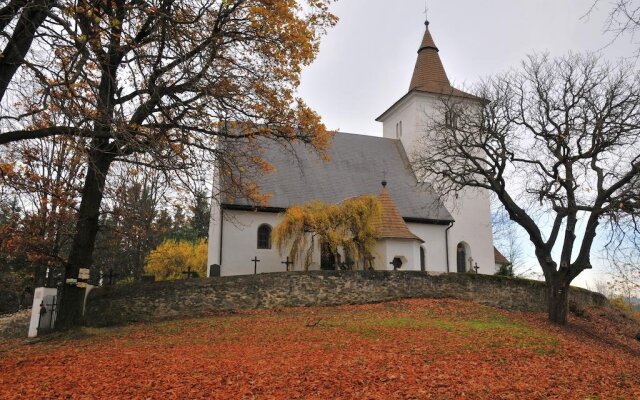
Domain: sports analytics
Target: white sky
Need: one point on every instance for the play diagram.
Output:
(366, 61)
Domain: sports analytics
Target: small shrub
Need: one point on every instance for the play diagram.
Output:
(505, 270)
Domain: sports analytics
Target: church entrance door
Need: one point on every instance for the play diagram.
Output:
(327, 258)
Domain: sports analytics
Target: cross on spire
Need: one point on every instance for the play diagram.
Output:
(426, 13)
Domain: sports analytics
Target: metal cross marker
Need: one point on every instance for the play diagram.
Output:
(397, 263)
(384, 177)
(476, 268)
(287, 263)
(255, 265)
(189, 274)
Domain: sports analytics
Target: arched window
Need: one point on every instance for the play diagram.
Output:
(264, 236)
(461, 258)
(423, 259)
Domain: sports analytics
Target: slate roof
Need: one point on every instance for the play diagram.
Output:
(357, 166)
(391, 225)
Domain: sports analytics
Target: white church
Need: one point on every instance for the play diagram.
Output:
(417, 233)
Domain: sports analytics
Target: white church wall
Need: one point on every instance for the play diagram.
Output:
(213, 243)
(215, 226)
(472, 212)
(405, 114)
(240, 245)
(239, 240)
(434, 245)
(472, 209)
(414, 111)
(387, 249)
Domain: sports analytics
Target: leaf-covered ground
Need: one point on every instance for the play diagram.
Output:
(416, 349)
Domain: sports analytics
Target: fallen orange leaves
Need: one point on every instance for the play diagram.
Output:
(416, 349)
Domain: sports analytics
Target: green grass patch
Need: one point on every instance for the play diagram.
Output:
(443, 324)
(369, 326)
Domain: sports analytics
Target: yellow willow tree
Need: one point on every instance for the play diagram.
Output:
(173, 258)
(161, 83)
(351, 226)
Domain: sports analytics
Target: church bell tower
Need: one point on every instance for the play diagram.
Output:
(470, 238)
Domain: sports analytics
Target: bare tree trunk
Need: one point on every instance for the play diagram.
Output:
(81, 254)
(558, 300)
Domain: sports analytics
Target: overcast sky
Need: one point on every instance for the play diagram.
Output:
(366, 61)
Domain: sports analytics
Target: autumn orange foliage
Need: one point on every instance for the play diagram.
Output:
(163, 84)
(415, 349)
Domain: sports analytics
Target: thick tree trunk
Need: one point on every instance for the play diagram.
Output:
(72, 297)
(558, 300)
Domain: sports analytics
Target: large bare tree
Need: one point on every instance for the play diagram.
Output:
(558, 142)
(161, 83)
(623, 18)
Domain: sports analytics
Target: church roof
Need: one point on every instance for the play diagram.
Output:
(391, 224)
(429, 74)
(357, 164)
(500, 259)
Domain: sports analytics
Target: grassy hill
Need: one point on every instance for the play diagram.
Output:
(441, 349)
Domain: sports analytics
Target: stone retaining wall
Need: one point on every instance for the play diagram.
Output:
(190, 298)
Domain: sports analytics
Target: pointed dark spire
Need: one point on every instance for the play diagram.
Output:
(429, 74)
